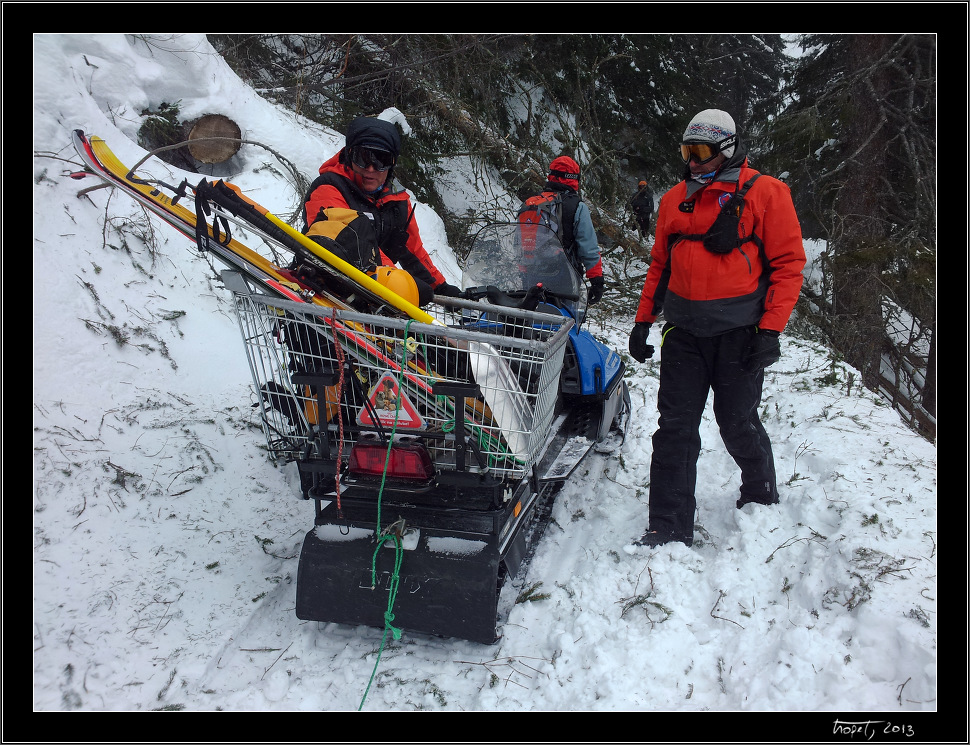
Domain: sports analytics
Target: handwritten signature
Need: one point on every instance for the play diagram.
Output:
(871, 728)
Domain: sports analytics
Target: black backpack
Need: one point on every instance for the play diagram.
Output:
(722, 237)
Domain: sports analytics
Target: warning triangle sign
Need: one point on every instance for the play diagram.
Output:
(388, 402)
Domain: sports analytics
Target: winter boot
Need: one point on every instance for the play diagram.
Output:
(653, 538)
(748, 499)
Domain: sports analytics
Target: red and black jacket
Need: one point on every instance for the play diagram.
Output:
(707, 293)
(370, 229)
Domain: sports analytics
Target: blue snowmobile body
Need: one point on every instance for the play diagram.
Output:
(596, 365)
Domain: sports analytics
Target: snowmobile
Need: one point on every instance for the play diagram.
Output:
(433, 452)
(432, 443)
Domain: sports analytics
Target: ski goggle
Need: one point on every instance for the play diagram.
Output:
(380, 160)
(704, 151)
(565, 174)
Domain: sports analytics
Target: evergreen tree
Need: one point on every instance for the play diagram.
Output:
(860, 138)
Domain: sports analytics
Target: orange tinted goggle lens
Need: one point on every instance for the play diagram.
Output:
(700, 151)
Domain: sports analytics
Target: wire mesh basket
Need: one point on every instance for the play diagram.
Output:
(478, 386)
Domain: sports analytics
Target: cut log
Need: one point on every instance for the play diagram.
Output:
(214, 151)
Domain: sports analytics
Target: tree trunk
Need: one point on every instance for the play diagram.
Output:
(862, 248)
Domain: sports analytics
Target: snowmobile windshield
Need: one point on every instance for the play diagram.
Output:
(516, 257)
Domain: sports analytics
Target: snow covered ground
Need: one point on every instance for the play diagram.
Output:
(165, 543)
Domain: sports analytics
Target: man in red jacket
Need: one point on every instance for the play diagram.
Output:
(355, 210)
(726, 275)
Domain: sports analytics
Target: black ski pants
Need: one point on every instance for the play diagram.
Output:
(690, 366)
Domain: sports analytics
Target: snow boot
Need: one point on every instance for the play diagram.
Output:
(654, 538)
(747, 499)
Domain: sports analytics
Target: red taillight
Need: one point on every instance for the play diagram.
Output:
(408, 460)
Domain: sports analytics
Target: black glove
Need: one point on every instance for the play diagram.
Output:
(425, 293)
(764, 349)
(596, 287)
(639, 348)
(448, 290)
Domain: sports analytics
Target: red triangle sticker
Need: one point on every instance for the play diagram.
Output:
(388, 402)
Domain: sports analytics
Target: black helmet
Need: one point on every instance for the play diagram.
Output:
(367, 131)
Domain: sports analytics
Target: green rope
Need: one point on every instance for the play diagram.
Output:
(388, 615)
(381, 540)
(398, 547)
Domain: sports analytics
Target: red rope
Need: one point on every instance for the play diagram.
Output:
(340, 419)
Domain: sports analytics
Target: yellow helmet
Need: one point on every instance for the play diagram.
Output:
(397, 281)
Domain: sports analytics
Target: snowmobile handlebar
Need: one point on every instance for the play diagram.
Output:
(521, 299)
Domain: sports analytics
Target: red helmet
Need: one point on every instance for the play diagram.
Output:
(564, 170)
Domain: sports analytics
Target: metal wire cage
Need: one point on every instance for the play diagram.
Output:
(477, 387)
